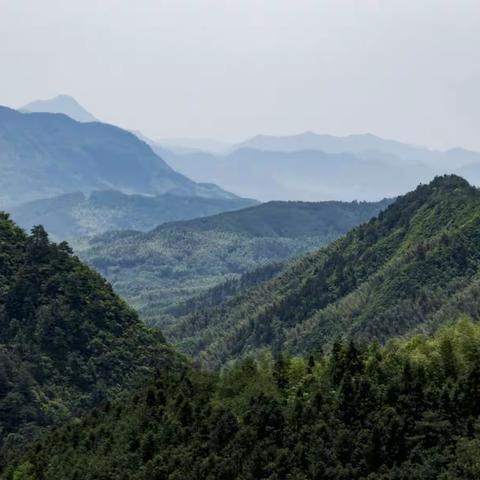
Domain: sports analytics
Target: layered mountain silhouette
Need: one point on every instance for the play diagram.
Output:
(45, 154)
(310, 166)
(358, 144)
(359, 410)
(305, 175)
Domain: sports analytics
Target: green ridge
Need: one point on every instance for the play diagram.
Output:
(158, 270)
(396, 274)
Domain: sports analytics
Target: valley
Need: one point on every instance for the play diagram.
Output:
(159, 270)
(408, 270)
(285, 307)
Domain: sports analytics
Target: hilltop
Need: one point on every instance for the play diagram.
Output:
(60, 104)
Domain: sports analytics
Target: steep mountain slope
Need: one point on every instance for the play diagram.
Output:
(45, 154)
(406, 269)
(175, 262)
(60, 104)
(406, 411)
(67, 342)
(76, 214)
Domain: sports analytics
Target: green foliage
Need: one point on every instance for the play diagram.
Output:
(75, 215)
(410, 269)
(157, 272)
(25, 471)
(67, 342)
(359, 413)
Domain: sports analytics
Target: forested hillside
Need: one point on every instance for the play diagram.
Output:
(75, 215)
(175, 262)
(406, 411)
(414, 265)
(67, 342)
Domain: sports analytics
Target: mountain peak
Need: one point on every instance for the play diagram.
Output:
(63, 103)
(450, 181)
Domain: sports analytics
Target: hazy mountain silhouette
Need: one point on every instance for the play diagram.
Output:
(44, 155)
(316, 167)
(60, 104)
(362, 145)
(308, 175)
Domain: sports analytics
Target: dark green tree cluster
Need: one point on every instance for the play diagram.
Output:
(67, 342)
(409, 410)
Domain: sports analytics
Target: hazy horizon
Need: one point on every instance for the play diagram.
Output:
(231, 70)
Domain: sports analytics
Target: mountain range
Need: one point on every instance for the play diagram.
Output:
(44, 155)
(410, 269)
(364, 145)
(307, 166)
(158, 270)
(310, 166)
(308, 175)
(87, 392)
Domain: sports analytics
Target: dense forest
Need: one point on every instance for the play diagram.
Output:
(410, 268)
(75, 215)
(156, 270)
(67, 342)
(360, 361)
(406, 411)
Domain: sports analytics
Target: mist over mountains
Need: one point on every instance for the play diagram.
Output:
(84, 177)
(307, 166)
(314, 167)
(74, 215)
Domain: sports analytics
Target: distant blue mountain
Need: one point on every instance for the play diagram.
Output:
(45, 155)
(363, 145)
(60, 104)
(308, 175)
(316, 167)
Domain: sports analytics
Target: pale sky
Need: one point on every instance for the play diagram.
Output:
(404, 69)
